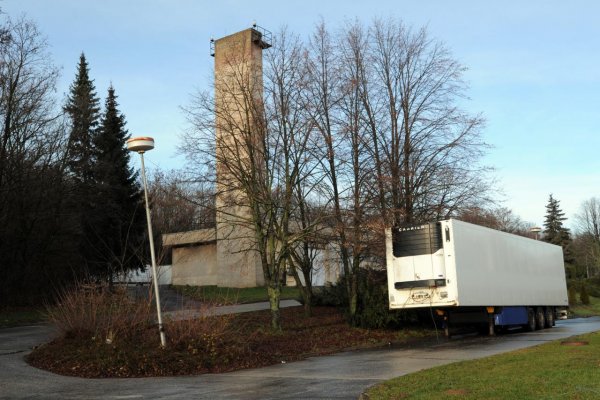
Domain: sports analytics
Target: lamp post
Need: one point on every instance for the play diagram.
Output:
(142, 145)
(535, 230)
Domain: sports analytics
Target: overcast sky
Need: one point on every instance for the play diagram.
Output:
(534, 72)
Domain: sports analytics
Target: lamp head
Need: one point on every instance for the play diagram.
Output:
(140, 144)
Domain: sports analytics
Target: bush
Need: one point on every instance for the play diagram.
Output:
(373, 303)
(200, 335)
(583, 295)
(592, 286)
(572, 293)
(105, 314)
(331, 295)
(373, 306)
(118, 318)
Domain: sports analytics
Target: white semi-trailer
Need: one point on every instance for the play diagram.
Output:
(471, 274)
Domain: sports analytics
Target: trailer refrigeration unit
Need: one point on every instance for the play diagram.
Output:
(470, 274)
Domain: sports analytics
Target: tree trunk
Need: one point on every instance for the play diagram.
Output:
(307, 293)
(274, 299)
(308, 304)
(305, 290)
(353, 298)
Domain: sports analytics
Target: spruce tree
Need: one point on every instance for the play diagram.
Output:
(83, 110)
(554, 231)
(119, 215)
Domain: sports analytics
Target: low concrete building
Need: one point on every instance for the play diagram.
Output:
(194, 257)
(137, 277)
(194, 262)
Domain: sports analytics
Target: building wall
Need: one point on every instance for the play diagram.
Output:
(327, 267)
(136, 276)
(195, 265)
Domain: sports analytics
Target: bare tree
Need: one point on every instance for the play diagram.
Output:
(588, 218)
(35, 225)
(587, 240)
(396, 148)
(426, 149)
(500, 218)
(179, 205)
(326, 102)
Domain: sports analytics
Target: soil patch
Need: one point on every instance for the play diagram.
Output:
(213, 344)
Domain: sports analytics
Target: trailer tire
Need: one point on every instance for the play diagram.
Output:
(530, 326)
(540, 318)
(549, 317)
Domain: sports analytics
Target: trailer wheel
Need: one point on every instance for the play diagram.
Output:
(530, 320)
(549, 317)
(540, 318)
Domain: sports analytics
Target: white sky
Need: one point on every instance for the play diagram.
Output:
(534, 70)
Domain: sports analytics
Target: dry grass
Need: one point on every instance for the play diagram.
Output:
(105, 314)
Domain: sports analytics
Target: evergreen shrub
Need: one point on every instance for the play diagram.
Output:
(583, 294)
(572, 293)
(373, 305)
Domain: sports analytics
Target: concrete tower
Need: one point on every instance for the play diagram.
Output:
(238, 95)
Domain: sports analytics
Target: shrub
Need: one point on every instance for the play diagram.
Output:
(572, 293)
(201, 334)
(592, 286)
(583, 295)
(105, 314)
(373, 306)
(373, 303)
(332, 294)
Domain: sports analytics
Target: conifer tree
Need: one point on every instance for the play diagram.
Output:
(119, 220)
(84, 111)
(554, 231)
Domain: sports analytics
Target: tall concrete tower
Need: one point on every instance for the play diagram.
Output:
(238, 96)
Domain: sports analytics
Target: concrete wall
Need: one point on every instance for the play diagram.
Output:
(327, 267)
(195, 265)
(163, 272)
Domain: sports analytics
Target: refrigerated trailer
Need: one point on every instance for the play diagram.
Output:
(470, 274)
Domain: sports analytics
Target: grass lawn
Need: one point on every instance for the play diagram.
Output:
(581, 310)
(224, 295)
(549, 371)
(20, 316)
(213, 344)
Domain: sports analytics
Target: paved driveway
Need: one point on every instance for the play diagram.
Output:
(341, 376)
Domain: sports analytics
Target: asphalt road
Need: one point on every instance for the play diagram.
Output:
(341, 376)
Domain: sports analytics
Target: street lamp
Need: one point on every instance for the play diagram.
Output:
(142, 145)
(535, 230)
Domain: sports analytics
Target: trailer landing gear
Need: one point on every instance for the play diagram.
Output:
(491, 324)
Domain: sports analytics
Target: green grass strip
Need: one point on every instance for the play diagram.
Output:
(224, 295)
(548, 371)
